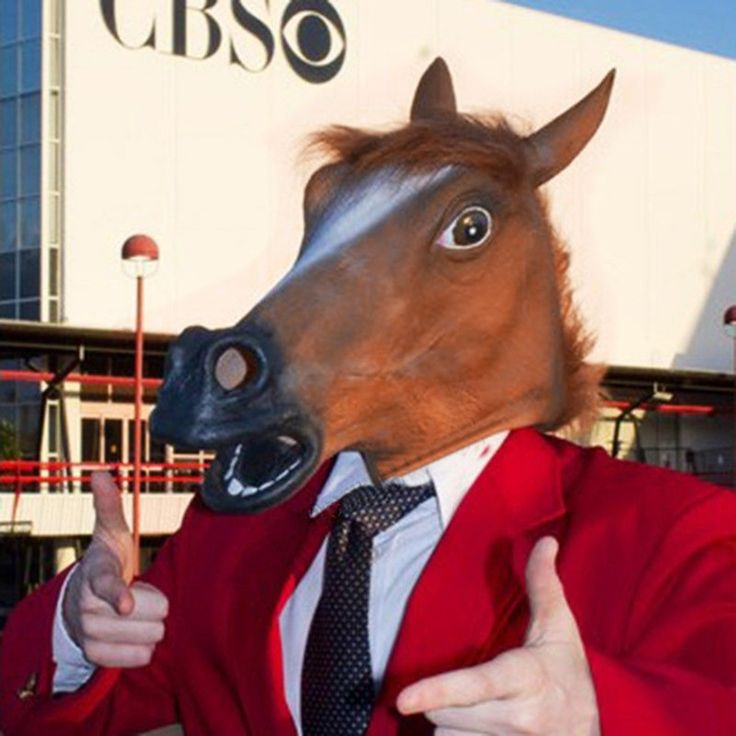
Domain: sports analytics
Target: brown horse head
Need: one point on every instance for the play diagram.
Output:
(428, 307)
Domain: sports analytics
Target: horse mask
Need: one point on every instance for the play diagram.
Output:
(428, 307)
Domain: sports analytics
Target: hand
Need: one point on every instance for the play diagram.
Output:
(544, 687)
(114, 623)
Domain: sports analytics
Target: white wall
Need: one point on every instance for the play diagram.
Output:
(203, 156)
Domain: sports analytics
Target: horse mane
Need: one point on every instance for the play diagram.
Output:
(491, 144)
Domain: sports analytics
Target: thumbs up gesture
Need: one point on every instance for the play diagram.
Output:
(544, 687)
(116, 624)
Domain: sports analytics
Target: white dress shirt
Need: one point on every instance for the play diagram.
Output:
(399, 556)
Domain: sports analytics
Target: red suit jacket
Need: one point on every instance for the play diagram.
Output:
(648, 562)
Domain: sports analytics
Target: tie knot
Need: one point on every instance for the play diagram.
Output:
(377, 509)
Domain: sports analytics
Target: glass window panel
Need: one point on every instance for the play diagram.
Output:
(8, 71)
(91, 440)
(54, 182)
(28, 416)
(30, 276)
(30, 310)
(53, 418)
(7, 276)
(9, 18)
(8, 174)
(7, 311)
(30, 118)
(27, 390)
(113, 441)
(7, 388)
(54, 116)
(54, 69)
(30, 170)
(54, 16)
(53, 271)
(8, 123)
(8, 226)
(30, 66)
(54, 62)
(30, 223)
(54, 219)
(30, 19)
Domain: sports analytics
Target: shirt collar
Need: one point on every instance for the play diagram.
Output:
(452, 475)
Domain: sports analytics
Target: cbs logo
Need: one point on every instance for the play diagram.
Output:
(311, 33)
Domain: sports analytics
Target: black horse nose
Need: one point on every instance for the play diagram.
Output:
(191, 340)
(228, 359)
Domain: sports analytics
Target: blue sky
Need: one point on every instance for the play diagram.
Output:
(707, 25)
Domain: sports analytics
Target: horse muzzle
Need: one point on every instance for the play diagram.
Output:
(221, 392)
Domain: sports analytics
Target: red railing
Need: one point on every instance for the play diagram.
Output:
(19, 474)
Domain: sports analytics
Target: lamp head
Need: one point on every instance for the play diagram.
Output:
(140, 255)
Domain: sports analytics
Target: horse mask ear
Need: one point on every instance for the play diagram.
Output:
(555, 145)
(435, 96)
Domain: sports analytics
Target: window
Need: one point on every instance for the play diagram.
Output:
(30, 118)
(7, 276)
(30, 66)
(54, 426)
(8, 226)
(29, 273)
(30, 19)
(8, 174)
(30, 223)
(9, 26)
(7, 388)
(8, 122)
(8, 71)
(30, 310)
(90, 440)
(53, 272)
(30, 170)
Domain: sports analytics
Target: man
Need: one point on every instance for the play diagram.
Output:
(462, 572)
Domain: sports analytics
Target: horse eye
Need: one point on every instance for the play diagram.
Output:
(468, 230)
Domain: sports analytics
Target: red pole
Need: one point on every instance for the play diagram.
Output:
(733, 459)
(137, 426)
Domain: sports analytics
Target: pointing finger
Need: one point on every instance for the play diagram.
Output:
(549, 612)
(502, 677)
(107, 502)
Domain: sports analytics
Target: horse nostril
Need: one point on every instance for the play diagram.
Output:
(235, 367)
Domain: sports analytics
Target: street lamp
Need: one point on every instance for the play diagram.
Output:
(729, 327)
(140, 259)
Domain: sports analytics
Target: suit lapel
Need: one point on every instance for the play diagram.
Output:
(469, 603)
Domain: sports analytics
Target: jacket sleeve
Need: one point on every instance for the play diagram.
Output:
(113, 701)
(677, 676)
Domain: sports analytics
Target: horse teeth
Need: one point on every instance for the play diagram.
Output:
(231, 468)
(235, 487)
(249, 491)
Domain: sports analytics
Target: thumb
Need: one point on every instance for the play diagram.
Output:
(550, 615)
(108, 504)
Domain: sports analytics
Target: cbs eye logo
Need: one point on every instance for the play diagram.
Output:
(313, 39)
(312, 33)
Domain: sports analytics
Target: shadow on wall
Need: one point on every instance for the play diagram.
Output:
(708, 342)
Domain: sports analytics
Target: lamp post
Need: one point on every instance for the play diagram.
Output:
(140, 259)
(729, 326)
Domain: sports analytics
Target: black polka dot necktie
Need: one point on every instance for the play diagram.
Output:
(337, 687)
